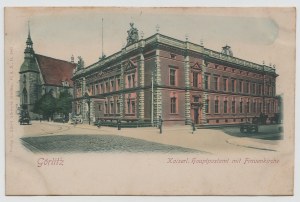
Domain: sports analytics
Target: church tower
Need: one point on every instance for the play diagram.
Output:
(29, 77)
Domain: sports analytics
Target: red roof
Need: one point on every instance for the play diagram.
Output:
(55, 71)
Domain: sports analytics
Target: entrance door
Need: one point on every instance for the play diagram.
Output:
(196, 115)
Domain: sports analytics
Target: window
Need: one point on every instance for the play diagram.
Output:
(260, 89)
(248, 107)
(225, 106)
(112, 84)
(254, 107)
(107, 87)
(173, 105)
(259, 107)
(133, 107)
(224, 84)
(253, 88)
(207, 106)
(111, 107)
(128, 107)
(106, 108)
(101, 88)
(206, 82)
(216, 83)
(233, 106)
(196, 99)
(119, 84)
(133, 80)
(25, 96)
(118, 107)
(195, 79)
(233, 85)
(172, 77)
(96, 89)
(241, 106)
(217, 106)
(129, 81)
(247, 87)
(241, 86)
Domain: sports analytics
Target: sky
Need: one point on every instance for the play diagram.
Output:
(256, 35)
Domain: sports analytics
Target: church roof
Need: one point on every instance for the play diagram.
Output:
(55, 71)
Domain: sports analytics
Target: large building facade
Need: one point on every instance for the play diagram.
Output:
(179, 81)
(40, 74)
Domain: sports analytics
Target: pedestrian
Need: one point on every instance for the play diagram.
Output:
(99, 123)
(193, 127)
(160, 121)
(119, 124)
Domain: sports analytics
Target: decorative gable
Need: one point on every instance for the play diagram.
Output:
(130, 65)
(197, 66)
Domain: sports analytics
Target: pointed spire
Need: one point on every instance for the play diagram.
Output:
(28, 28)
(29, 41)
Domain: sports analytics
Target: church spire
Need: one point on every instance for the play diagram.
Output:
(29, 63)
(29, 52)
(29, 41)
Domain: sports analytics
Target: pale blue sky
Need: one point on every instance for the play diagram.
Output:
(253, 34)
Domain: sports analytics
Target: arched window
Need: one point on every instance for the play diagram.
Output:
(217, 104)
(233, 105)
(225, 105)
(24, 97)
(173, 102)
(241, 105)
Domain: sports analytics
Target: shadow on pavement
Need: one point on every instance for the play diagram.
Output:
(265, 132)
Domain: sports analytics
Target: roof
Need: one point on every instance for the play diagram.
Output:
(29, 64)
(55, 71)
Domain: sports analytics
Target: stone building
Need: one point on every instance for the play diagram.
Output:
(40, 74)
(177, 80)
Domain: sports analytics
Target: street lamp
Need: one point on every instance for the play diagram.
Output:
(87, 97)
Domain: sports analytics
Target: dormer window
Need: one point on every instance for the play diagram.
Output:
(65, 83)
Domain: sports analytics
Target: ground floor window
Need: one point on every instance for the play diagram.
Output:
(233, 106)
(225, 106)
(241, 106)
(216, 106)
(173, 105)
(133, 107)
(207, 106)
(118, 107)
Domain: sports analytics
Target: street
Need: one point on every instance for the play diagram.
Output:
(58, 137)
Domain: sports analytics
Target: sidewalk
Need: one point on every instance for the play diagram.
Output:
(254, 143)
(209, 140)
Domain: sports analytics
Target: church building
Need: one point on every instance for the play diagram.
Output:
(179, 81)
(40, 74)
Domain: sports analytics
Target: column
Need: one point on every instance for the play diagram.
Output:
(157, 105)
(204, 96)
(141, 84)
(122, 86)
(187, 95)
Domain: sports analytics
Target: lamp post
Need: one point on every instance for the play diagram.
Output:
(87, 97)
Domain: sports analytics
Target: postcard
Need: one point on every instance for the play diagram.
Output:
(149, 101)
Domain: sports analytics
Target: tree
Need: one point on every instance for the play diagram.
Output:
(46, 105)
(64, 103)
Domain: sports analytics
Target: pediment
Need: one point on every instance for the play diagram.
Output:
(129, 65)
(197, 66)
